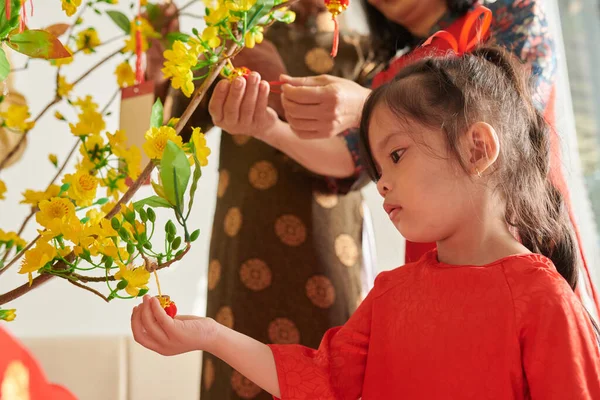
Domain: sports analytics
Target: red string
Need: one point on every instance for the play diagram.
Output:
(31, 5)
(139, 73)
(7, 4)
(23, 18)
(336, 37)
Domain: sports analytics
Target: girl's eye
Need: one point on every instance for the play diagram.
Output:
(396, 155)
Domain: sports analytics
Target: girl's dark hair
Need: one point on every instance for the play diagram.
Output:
(451, 93)
(388, 37)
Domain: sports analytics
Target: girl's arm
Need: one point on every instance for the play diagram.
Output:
(155, 330)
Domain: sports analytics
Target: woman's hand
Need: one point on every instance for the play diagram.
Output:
(241, 107)
(322, 106)
(155, 330)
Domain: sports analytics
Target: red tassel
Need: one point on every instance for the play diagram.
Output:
(336, 37)
(7, 4)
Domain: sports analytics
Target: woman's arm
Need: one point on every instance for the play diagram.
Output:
(241, 107)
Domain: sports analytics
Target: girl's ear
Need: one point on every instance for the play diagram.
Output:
(481, 147)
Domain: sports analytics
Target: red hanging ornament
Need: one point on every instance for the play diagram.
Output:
(336, 7)
(7, 4)
(169, 306)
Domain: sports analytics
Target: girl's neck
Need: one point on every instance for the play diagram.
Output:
(479, 243)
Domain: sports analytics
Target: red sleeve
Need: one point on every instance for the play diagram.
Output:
(336, 370)
(560, 353)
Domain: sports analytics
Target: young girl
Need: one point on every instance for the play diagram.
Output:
(460, 156)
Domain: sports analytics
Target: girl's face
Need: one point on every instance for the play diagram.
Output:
(427, 194)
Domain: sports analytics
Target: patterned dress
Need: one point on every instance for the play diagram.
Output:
(286, 255)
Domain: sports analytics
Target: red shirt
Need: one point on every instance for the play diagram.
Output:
(512, 329)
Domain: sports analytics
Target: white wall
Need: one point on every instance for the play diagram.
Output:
(58, 308)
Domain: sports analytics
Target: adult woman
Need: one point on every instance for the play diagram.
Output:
(321, 107)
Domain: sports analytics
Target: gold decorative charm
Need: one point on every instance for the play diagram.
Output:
(15, 384)
(319, 61)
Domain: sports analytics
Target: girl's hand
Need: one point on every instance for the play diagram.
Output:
(322, 106)
(241, 107)
(155, 330)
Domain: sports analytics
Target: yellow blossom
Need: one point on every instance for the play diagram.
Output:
(6, 237)
(210, 36)
(82, 187)
(37, 257)
(116, 139)
(90, 122)
(178, 63)
(70, 6)
(216, 15)
(59, 116)
(34, 197)
(115, 184)
(156, 141)
(240, 5)
(16, 117)
(200, 148)
(137, 278)
(86, 103)
(133, 160)
(87, 40)
(55, 212)
(254, 36)
(95, 216)
(64, 88)
(125, 75)
(2, 189)
(53, 159)
(8, 315)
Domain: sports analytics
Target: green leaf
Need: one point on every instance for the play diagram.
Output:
(101, 201)
(156, 119)
(195, 178)
(173, 36)
(109, 262)
(176, 243)
(142, 213)
(153, 12)
(4, 65)
(124, 234)
(12, 23)
(130, 248)
(121, 20)
(122, 284)
(195, 235)
(259, 10)
(142, 292)
(175, 174)
(152, 201)
(38, 44)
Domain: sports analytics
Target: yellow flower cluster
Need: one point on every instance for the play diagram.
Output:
(70, 6)
(125, 75)
(6, 237)
(178, 64)
(156, 141)
(16, 117)
(2, 190)
(87, 40)
(90, 120)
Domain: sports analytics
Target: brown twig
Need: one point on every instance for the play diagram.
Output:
(89, 289)
(105, 59)
(196, 99)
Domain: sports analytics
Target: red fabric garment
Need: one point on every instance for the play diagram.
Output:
(21, 376)
(414, 251)
(512, 329)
